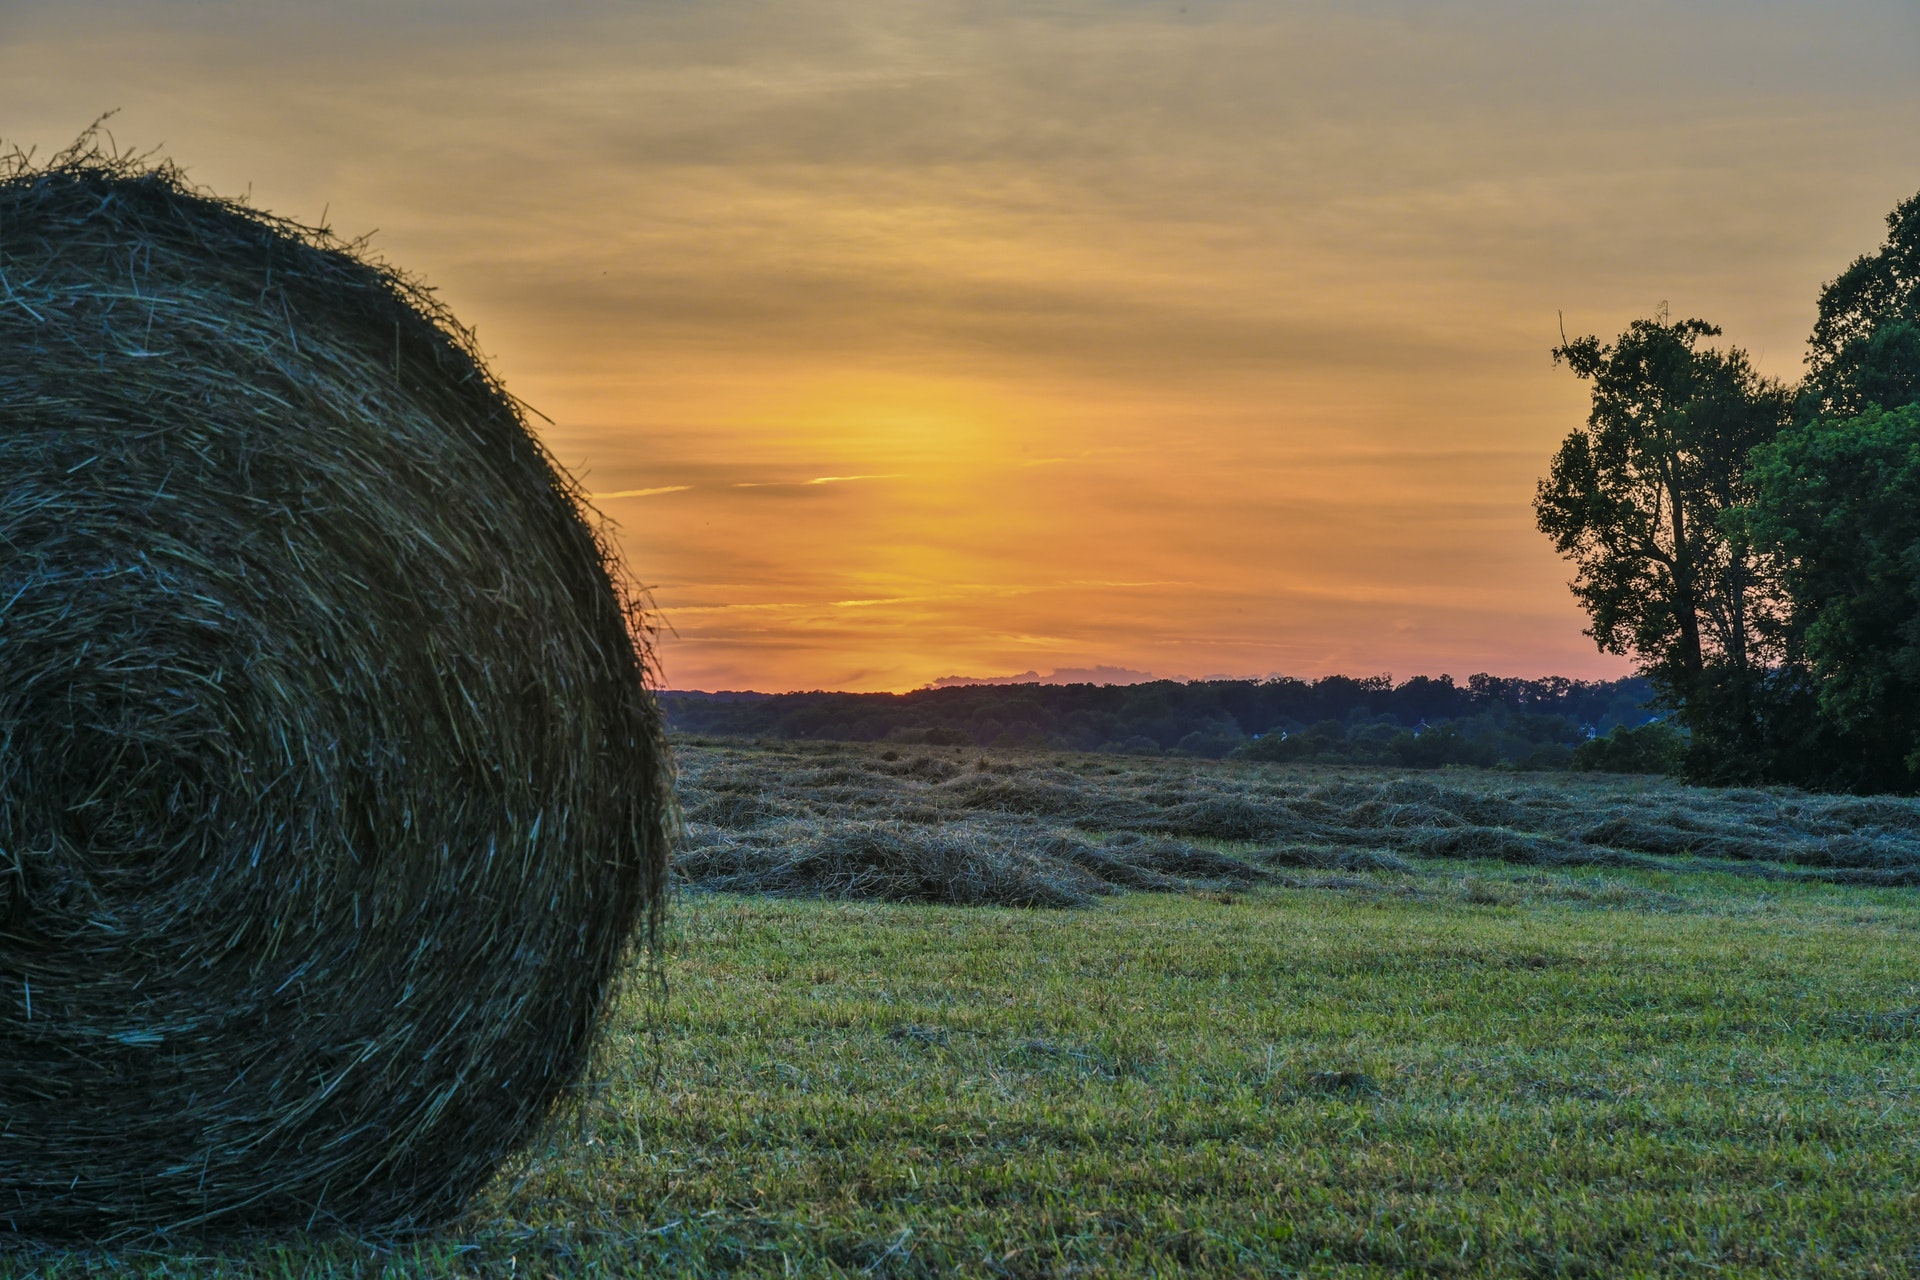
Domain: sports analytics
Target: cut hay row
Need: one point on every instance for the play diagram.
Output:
(1061, 830)
(331, 791)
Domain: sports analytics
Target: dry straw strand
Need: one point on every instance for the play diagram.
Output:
(333, 795)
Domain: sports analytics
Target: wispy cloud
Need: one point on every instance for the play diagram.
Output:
(641, 493)
(798, 484)
(1124, 584)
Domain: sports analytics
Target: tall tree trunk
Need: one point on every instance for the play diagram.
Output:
(1737, 606)
(1686, 595)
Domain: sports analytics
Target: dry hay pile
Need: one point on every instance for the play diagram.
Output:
(332, 795)
(960, 864)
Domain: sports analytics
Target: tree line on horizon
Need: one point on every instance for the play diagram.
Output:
(1424, 722)
(1754, 546)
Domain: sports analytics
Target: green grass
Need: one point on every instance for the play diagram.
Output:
(1478, 1069)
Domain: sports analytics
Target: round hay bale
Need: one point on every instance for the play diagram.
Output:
(333, 796)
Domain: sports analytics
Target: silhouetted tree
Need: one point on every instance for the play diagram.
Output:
(1641, 500)
(1637, 498)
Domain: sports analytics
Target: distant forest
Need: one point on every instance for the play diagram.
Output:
(1423, 722)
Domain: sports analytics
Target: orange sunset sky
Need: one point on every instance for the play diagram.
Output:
(904, 340)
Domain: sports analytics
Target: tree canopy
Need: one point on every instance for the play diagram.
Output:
(1840, 503)
(1638, 499)
(1865, 346)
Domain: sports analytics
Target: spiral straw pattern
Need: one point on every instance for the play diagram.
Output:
(333, 797)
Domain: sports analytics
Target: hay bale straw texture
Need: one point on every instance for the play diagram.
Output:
(333, 798)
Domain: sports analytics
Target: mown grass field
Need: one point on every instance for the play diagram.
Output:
(1437, 1065)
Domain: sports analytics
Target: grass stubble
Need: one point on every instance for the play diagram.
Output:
(1641, 1030)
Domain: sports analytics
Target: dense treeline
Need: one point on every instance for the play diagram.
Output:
(1422, 722)
(1755, 546)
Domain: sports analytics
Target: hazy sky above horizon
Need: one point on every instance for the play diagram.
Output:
(911, 339)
